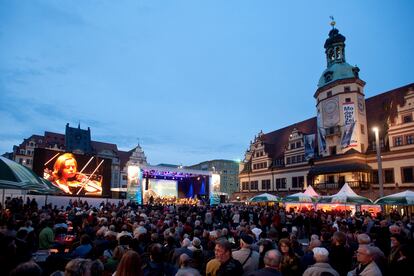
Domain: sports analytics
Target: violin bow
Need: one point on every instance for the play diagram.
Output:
(89, 177)
(51, 159)
(84, 167)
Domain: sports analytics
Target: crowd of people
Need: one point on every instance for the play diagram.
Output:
(127, 239)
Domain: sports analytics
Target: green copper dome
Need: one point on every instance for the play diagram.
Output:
(337, 67)
(338, 71)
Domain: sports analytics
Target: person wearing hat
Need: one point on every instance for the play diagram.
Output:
(321, 256)
(246, 255)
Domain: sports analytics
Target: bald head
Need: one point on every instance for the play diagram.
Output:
(272, 258)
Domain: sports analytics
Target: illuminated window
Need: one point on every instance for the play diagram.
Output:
(409, 139)
(398, 141)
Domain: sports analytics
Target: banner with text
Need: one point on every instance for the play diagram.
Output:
(349, 134)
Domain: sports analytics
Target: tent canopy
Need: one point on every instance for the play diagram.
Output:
(403, 198)
(264, 198)
(16, 176)
(345, 196)
(311, 192)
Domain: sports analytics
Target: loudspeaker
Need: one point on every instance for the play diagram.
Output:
(222, 199)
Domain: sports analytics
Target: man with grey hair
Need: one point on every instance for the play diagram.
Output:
(321, 256)
(271, 261)
(364, 239)
(366, 265)
(182, 250)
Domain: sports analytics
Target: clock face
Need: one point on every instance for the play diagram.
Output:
(331, 107)
(330, 112)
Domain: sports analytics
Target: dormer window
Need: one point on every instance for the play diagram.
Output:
(328, 76)
(407, 118)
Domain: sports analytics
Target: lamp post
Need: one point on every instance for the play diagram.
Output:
(379, 160)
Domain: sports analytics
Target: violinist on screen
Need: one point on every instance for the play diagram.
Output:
(66, 176)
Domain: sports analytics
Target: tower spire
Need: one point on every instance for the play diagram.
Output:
(333, 23)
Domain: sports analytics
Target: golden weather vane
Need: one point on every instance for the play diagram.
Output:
(333, 23)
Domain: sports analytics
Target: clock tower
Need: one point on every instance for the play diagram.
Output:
(340, 102)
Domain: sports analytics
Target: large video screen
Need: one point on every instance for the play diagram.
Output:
(74, 174)
(160, 189)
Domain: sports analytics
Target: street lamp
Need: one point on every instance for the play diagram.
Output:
(379, 160)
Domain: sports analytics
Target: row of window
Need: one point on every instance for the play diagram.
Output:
(407, 175)
(296, 145)
(297, 182)
(295, 159)
(258, 166)
(259, 153)
(399, 140)
(26, 152)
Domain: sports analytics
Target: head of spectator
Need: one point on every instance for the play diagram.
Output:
(96, 268)
(320, 254)
(272, 259)
(396, 240)
(130, 264)
(365, 254)
(77, 267)
(119, 251)
(184, 261)
(314, 243)
(85, 239)
(188, 271)
(363, 239)
(156, 254)
(186, 243)
(246, 241)
(222, 250)
(285, 247)
(339, 238)
(314, 237)
(27, 269)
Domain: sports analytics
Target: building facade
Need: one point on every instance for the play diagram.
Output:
(338, 144)
(228, 171)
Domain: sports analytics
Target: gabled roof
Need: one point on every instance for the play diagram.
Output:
(276, 141)
(383, 107)
(100, 146)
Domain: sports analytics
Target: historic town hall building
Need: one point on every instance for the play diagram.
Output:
(338, 144)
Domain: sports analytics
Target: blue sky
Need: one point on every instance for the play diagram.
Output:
(193, 80)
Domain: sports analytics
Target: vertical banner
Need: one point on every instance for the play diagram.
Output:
(134, 188)
(321, 134)
(215, 189)
(309, 142)
(349, 135)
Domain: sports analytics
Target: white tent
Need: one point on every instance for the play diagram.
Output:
(311, 192)
(403, 198)
(345, 196)
(264, 198)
